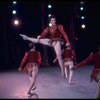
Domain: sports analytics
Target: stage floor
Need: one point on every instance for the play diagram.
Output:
(50, 84)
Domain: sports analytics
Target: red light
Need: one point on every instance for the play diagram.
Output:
(78, 16)
(76, 38)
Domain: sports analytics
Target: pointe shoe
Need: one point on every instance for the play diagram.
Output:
(23, 36)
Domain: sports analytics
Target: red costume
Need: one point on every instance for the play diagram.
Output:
(32, 57)
(55, 32)
(95, 57)
(69, 54)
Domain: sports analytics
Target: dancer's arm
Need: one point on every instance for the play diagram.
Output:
(23, 61)
(85, 61)
(39, 58)
(43, 33)
(73, 55)
(60, 27)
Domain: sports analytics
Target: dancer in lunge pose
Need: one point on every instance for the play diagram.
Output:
(95, 57)
(56, 32)
(33, 59)
(69, 58)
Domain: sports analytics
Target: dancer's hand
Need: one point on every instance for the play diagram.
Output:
(73, 68)
(38, 37)
(54, 60)
(20, 69)
(67, 44)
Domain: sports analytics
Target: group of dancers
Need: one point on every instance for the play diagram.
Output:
(58, 37)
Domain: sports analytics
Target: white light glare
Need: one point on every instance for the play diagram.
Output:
(14, 2)
(14, 11)
(16, 22)
(49, 6)
(83, 26)
(50, 24)
(81, 8)
(49, 15)
(82, 17)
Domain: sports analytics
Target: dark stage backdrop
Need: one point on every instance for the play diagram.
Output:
(13, 47)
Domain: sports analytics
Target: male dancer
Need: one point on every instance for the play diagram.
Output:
(95, 57)
(56, 32)
(69, 58)
(34, 60)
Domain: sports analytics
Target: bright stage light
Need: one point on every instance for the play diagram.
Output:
(82, 17)
(14, 2)
(81, 8)
(83, 26)
(16, 22)
(49, 15)
(49, 6)
(14, 11)
(50, 24)
(76, 38)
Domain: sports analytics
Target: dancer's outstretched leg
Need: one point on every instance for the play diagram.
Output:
(35, 40)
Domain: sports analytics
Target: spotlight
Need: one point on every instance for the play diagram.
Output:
(49, 6)
(50, 24)
(49, 15)
(81, 8)
(14, 11)
(83, 26)
(16, 22)
(82, 17)
(76, 38)
(14, 2)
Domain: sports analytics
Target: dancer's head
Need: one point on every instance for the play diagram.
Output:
(52, 20)
(31, 45)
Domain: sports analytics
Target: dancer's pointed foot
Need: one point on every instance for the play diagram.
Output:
(23, 36)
